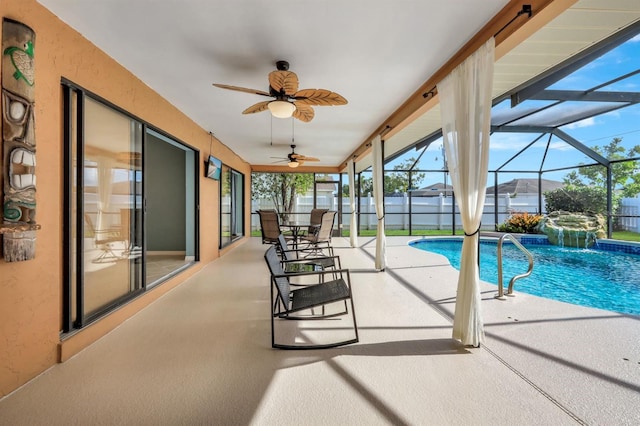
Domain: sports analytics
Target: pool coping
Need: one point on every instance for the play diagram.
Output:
(603, 244)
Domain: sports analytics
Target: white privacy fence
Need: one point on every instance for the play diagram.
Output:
(629, 207)
(435, 212)
(426, 212)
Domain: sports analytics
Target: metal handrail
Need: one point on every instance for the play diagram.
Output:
(517, 277)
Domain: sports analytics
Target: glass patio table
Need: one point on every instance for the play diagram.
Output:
(297, 228)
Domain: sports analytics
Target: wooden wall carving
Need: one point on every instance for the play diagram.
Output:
(18, 142)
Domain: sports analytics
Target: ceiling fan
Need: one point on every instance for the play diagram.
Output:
(289, 101)
(294, 160)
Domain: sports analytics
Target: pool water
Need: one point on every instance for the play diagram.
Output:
(588, 277)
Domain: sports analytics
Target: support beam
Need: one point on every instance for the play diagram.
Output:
(580, 147)
(301, 169)
(577, 95)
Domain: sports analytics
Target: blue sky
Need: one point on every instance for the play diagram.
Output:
(598, 130)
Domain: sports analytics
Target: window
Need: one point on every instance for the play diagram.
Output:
(231, 205)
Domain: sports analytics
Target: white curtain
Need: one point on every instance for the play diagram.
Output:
(465, 103)
(105, 167)
(378, 195)
(353, 226)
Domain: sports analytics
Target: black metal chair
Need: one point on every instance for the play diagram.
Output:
(292, 262)
(287, 303)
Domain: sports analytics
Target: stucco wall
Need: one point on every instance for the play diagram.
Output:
(31, 291)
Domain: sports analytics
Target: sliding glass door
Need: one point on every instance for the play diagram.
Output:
(130, 216)
(109, 192)
(171, 212)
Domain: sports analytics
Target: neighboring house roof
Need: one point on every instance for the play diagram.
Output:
(433, 190)
(328, 187)
(525, 186)
(515, 186)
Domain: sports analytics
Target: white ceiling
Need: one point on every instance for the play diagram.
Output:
(375, 53)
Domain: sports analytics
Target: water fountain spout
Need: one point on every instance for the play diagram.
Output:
(579, 230)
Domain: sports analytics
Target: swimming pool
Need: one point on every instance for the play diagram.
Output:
(597, 278)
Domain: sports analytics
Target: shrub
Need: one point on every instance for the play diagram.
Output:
(577, 199)
(521, 223)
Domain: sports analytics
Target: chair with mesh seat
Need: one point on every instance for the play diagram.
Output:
(291, 262)
(322, 238)
(315, 220)
(269, 226)
(291, 304)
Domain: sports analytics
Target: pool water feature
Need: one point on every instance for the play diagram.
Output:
(593, 277)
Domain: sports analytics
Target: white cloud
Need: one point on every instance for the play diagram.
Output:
(635, 39)
(509, 141)
(587, 122)
(560, 146)
(613, 114)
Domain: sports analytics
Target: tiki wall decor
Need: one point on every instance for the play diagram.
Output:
(18, 143)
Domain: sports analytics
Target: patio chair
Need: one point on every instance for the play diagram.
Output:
(322, 238)
(104, 240)
(315, 220)
(290, 304)
(292, 263)
(269, 226)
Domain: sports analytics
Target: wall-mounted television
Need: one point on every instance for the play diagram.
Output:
(213, 166)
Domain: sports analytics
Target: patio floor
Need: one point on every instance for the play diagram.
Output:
(201, 355)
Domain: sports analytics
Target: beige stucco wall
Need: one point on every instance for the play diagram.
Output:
(31, 291)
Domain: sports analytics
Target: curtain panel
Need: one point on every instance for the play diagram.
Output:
(378, 195)
(465, 103)
(105, 168)
(353, 226)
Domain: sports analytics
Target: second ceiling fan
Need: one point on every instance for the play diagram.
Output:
(289, 101)
(294, 160)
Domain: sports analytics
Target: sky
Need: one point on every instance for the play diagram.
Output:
(598, 130)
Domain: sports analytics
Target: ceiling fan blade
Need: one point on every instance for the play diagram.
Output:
(242, 89)
(301, 157)
(259, 107)
(303, 113)
(322, 97)
(284, 81)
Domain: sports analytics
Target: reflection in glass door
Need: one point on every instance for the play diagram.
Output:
(111, 193)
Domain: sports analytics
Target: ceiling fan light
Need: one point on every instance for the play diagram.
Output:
(293, 164)
(281, 109)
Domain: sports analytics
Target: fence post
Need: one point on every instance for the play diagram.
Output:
(405, 211)
(440, 210)
(369, 205)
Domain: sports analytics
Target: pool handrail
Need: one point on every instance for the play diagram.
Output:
(517, 243)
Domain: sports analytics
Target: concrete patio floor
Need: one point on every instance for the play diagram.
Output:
(201, 355)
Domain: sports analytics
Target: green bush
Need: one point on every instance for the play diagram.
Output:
(577, 199)
(521, 223)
